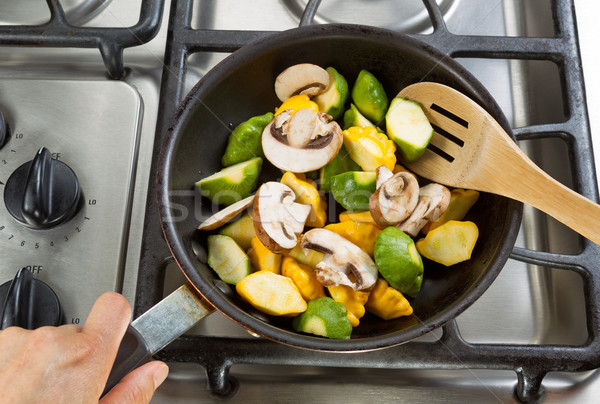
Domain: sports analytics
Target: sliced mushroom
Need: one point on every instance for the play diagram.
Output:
(383, 174)
(302, 142)
(342, 258)
(278, 220)
(301, 128)
(304, 78)
(225, 215)
(433, 201)
(395, 199)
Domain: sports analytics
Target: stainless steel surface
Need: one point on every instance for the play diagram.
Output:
(400, 15)
(589, 31)
(524, 305)
(36, 12)
(58, 114)
(342, 386)
(171, 317)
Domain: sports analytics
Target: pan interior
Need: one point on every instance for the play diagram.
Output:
(242, 87)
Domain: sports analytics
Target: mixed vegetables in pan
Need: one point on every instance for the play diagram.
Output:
(275, 241)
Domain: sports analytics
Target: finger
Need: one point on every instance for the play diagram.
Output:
(139, 385)
(103, 331)
(108, 320)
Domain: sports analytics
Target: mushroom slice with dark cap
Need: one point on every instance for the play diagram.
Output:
(302, 142)
(278, 220)
(303, 78)
(395, 199)
(433, 202)
(342, 258)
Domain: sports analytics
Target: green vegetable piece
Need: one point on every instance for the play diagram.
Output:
(353, 117)
(369, 97)
(341, 163)
(408, 126)
(353, 189)
(325, 317)
(332, 100)
(242, 231)
(227, 258)
(245, 141)
(398, 261)
(231, 184)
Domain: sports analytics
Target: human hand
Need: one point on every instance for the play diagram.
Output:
(71, 364)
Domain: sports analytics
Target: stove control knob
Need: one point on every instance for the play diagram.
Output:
(43, 192)
(28, 303)
(4, 130)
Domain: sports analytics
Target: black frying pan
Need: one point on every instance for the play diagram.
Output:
(240, 87)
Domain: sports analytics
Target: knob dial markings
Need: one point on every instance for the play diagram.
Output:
(42, 193)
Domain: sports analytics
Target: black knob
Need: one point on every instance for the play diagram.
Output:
(43, 192)
(4, 130)
(28, 303)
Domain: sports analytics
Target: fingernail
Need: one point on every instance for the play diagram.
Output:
(160, 374)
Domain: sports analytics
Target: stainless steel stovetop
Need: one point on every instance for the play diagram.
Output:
(104, 129)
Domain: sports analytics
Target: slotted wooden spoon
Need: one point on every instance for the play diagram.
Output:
(469, 149)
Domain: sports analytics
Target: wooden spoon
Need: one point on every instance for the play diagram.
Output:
(469, 149)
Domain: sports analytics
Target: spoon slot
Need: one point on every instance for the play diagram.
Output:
(445, 144)
(448, 135)
(434, 149)
(450, 115)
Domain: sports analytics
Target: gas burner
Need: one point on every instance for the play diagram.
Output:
(411, 16)
(33, 12)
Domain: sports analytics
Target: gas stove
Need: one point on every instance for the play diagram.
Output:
(108, 132)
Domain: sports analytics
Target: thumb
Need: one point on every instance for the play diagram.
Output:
(138, 386)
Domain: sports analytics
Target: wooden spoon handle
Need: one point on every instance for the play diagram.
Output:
(541, 191)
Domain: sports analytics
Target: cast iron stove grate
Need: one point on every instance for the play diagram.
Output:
(60, 33)
(530, 362)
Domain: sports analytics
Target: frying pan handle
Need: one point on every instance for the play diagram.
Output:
(153, 330)
(133, 352)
